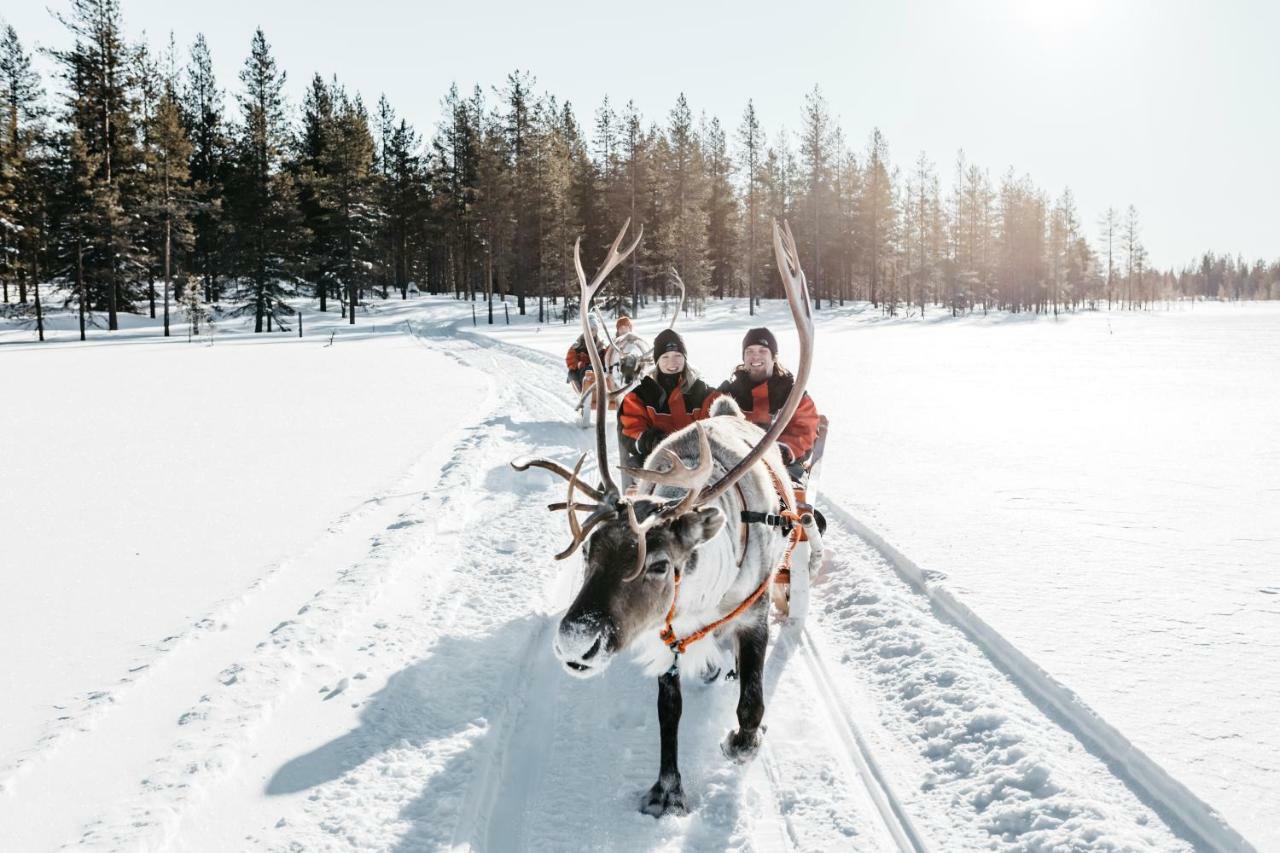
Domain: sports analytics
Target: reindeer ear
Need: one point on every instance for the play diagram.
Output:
(699, 526)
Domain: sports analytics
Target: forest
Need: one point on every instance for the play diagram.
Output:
(135, 180)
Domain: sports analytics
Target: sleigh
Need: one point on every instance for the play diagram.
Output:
(809, 555)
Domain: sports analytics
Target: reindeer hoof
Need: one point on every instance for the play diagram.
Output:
(664, 799)
(741, 747)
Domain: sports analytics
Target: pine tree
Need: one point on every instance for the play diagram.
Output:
(202, 111)
(260, 194)
(320, 267)
(1135, 256)
(403, 203)
(634, 153)
(167, 198)
(721, 213)
(99, 110)
(193, 308)
(22, 160)
(751, 142)
(519, 144)
(350, 196)
(681, 241)
(876, 215)
(816, 143)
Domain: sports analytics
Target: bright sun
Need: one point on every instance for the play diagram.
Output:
(1055, 15)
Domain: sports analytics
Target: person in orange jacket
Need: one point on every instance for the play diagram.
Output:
(760, 386)
(578, 360)
(670, 397)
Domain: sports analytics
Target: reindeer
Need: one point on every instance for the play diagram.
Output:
(666, 568)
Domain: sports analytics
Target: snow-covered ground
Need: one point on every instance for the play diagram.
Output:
(320, 603)
(1102, 488)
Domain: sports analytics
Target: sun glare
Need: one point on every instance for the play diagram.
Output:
(1051, 16)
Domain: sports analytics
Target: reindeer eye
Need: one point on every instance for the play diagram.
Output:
(659, 567)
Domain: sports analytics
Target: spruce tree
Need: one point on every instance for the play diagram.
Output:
(100, 110)
(166, 211)
(721, 214)
(877, 216)
(751, 146)
(260, 193)
(205, 124)
(22, 161)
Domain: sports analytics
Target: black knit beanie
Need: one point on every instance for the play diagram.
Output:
(667, 341)
(761, 337)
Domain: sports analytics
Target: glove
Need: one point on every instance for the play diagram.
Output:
(648, 440)
(787, 456)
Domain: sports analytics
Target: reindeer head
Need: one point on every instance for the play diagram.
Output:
(636, 546)
(614, 607)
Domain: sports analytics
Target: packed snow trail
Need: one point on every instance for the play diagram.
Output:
(411, 702)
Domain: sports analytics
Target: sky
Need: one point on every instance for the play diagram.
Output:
(1164, 104)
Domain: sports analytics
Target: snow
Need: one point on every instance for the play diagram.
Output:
(337, 599)
(1102, 488)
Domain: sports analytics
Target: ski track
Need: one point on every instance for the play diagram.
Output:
(888, 728)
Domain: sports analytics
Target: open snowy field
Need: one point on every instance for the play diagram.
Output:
(320, 604)
(153, 490)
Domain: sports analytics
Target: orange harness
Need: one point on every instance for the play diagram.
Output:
(679, 645)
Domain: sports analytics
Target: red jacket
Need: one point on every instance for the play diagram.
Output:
(761, 401)
(577, 358)
(648, 407)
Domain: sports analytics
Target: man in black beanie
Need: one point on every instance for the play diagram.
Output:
(670, 397)
(760, 386)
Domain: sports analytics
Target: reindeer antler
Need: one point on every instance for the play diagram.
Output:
(556, 468)
(797, 288)
(580, 531)
(680, 284)
(611, 260)
(690, 478)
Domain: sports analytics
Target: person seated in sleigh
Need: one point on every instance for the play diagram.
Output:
(578, 360)
(669, 398)
(627, 356)
(760, 385)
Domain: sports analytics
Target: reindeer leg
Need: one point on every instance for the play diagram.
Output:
(741, 744)
(667, 795)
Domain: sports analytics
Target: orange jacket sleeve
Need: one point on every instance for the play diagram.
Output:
(802, 431)
(704, 411)
(633, 416)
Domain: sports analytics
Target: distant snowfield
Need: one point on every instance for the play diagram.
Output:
(273, 594)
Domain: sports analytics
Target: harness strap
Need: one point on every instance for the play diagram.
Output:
(768, 519)
(789, 520)
(680, 645)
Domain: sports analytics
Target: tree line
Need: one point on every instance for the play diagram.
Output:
(143, 183)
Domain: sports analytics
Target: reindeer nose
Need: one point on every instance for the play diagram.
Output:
(582, 644)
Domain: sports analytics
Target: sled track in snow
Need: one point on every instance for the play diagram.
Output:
(1196, 819)
(894, 816)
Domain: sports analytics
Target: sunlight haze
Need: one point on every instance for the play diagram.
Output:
(1165, 105)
